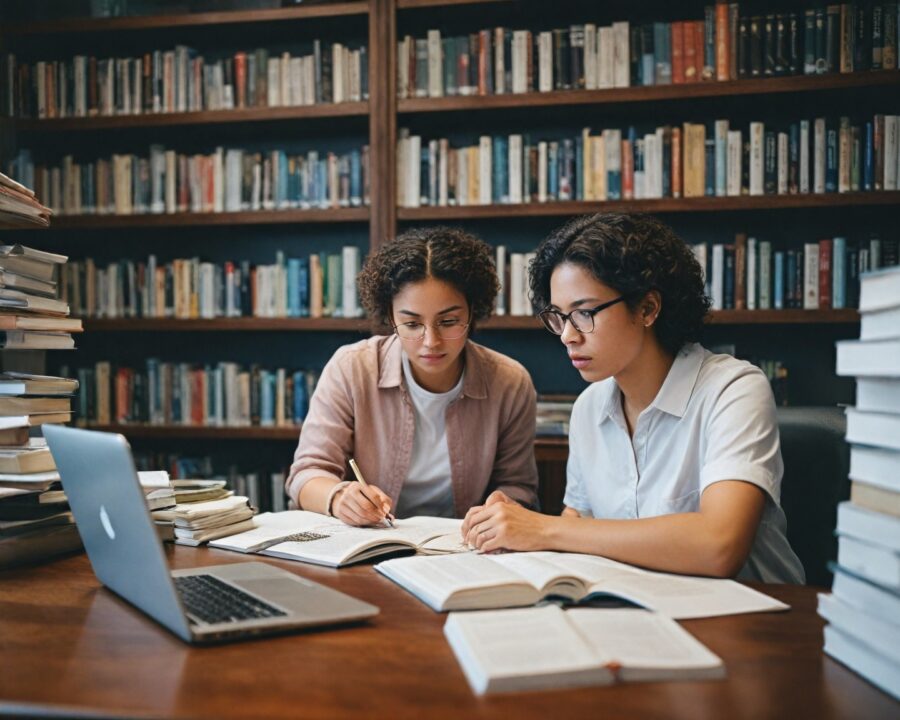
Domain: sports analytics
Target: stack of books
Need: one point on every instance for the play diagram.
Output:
(35, 521)
(19, 207)
(863, 610)
(205, 511)
(553, 415)
(32, 317)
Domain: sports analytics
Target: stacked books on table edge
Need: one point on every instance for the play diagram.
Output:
(863, 609)
(19, 207)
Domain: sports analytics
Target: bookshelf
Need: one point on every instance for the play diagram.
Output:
(803, 336)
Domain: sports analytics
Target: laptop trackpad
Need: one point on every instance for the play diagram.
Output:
(302, 597)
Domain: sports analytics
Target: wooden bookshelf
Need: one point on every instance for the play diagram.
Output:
(187, 20)
(419, 4)
(206, 117)
(163, 220)
(663, 205)
(653, 93)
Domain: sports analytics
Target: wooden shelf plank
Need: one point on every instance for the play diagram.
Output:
(361, 325)
(206, 117)
(243, 324)
(416, 4)
(263, 217)
(664, 205)
(176, 432)
(654, 93)
(183, 20)
(546, 448)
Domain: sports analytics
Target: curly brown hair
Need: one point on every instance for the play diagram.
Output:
(448, 254)
(632, 254)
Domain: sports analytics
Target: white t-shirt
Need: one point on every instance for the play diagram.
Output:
(428, 489)
(713, 419)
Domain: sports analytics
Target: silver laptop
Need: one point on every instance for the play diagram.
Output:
(200, 605)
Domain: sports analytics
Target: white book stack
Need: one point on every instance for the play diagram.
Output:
(863, 610)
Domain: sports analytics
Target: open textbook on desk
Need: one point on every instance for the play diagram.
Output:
(314, 538)
(546, 647)
(478, 582)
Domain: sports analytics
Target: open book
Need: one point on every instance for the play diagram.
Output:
(314, 538)
(547, 647)
(477, 582)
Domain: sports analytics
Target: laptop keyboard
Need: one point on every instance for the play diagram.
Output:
(209, 599)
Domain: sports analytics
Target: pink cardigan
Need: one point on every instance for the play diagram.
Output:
(361, 409)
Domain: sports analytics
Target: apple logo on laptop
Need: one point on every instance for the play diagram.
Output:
(107, 525)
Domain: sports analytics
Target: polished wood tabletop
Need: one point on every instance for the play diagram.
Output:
(69, 647)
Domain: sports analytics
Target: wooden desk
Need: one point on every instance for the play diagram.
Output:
(67, 645)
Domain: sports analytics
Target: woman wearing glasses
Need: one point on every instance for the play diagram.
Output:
(674, 456)
(434, 421)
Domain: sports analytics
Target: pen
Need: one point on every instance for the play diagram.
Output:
(362, 481)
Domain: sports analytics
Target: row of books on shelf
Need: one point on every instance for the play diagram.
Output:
(750, 274)
(226, 180)
(724, 45)
(863, 607)
(319, 285)
(181, 80)
(226, 394)
(694, 160)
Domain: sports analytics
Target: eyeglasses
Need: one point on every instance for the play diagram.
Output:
(446, 329)
(582, 320)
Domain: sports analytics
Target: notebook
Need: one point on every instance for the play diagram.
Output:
(479, 582)
(314, 538)
(547, 647)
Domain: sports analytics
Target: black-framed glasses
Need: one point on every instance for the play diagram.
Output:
(582, 320)
(447, 329)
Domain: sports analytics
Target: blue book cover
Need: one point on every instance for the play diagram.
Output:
(729, 278)
(553, 170)
(662, 53)
(648, 58)
(282, 187)
(355, 179)
(789, 277)
(266, 398)
(710, 167)
(852, 276)
(667, 162)
(567, 179)
(293, 287)
(303, 287)
(869, 158)
(448, 46)
(301, 400)
(831, 159)
(500, 170)
(839, 272)
(721, 140)
(794, 159)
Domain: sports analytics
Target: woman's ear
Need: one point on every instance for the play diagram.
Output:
(650, 306)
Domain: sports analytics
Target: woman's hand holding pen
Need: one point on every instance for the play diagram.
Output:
(361, 505)
(503, 524)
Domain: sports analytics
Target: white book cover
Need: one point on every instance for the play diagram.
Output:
(350, 266)
(880, 324)
(804, 157)
(765, 275)
(485, 169)
(878, 429)
(810, 276)
(717, 283)
(590, 56)
(520, 61)
(515, 168)
(819, 155)
(858, 656)
(891, 148)
(542, 172)
(545, 62)
(284, 76)
(868, 358)
(606, 71)
(443, 171)
(435, 64)
(502, 277)
(752, 260)
(757, 138)
(621, 55)
(273, 84)
(414, 170)
(782, 163)
(500, 61)
(517, 284)
(880, 634)
(875, 466)
(734, 162)
(870, 560)
(879, 289)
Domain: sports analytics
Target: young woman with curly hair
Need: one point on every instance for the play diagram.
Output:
(674, 456)
(434, 421)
